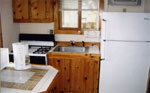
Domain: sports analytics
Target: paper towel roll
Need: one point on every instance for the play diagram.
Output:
(20, 51)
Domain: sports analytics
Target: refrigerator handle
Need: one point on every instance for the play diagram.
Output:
(104, 28)
(103, 50)
(103, 39)
(104, 20)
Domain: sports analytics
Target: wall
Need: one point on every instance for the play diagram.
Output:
(43, 28)
(10, 30)
(147, 6)
(118, 8)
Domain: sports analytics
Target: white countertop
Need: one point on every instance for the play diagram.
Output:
(41, 86)
(94, 50)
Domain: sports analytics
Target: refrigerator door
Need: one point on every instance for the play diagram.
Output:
(125, 68)
(126, 26)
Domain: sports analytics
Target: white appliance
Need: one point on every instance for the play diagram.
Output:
(20, 56)
(125, 52)
(39, 45)
(4, 58)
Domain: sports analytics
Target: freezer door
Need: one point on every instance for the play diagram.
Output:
(126, 26)
(125, 68)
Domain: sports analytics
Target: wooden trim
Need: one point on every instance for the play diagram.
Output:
(63, 43)
(101, 5)
(67, 28)
(1, 40)
(32, 20)
(58, 26)
(101, 8)
(77, 55)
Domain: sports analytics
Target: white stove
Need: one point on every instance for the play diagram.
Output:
(39, 45)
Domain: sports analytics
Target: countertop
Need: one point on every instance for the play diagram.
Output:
(34, 80)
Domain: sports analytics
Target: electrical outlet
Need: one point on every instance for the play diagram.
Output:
(124, 10)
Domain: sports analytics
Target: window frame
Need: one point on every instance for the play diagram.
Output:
(67, 28)
(64, 30)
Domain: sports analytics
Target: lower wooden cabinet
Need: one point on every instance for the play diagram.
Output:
(76, 74)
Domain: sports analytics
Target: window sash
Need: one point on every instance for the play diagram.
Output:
(60, 9)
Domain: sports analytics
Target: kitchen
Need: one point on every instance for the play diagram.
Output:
(12, 28)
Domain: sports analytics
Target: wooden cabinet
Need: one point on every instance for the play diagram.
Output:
(77, 74)
(34, 11)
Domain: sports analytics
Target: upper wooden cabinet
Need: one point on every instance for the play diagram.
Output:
(34, 11)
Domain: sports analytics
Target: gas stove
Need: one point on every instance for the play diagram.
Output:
(39, 45)
(40, 49)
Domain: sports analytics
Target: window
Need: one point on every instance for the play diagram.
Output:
(77, 15)
(90, 14)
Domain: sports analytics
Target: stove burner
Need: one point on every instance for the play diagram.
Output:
(42, 50)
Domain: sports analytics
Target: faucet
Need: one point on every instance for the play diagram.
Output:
(72, 42)
(83, 43)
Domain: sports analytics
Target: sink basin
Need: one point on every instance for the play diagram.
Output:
(70, 49)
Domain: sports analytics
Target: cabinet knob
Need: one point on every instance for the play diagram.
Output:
(58, 60)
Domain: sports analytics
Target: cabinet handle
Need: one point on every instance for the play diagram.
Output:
(102, 59)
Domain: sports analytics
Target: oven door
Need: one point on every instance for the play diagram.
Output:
(38, 60)
(34, 59)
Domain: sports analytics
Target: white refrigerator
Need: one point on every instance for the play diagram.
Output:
(125, 52)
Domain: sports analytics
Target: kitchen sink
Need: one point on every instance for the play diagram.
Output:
(70, 49)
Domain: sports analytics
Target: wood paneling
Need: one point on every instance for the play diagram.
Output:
(37, 9)
(101, 9)
(33, 11)
(1, 40)
(50, 10)
(77, 74)
(20, 9)
(101, 5)
(62, 43)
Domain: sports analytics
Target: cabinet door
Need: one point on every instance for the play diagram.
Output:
(41, 9)
(33, 11)
(76, 75)
(63, 82)
(77, 71)
(84, 75)
(49, 10)
(37, 9)
(20, 9)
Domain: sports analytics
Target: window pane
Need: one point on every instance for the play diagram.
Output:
(70, 19)
(90, 4)
(68, 4)
(89, 20)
